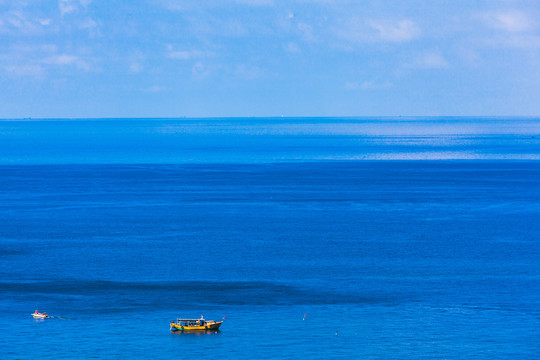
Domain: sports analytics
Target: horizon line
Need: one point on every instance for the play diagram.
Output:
(348, 117)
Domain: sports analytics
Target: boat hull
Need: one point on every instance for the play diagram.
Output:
(40, 316)
(215, 326)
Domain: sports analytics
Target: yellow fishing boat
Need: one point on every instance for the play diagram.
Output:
(194, 324)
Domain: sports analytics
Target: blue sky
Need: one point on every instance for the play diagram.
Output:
(166, 58)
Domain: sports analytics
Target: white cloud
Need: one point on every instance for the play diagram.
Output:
(190, 5)
(67, 60)
(16, 19)
(351, 86)
(256, 2)
(306, 31)
(25, 70)
(430, 60)
(292, 48)
(248, 72)
(367, 85)
(511, 21)
(38, 60)
(187, 54)
(135, 67)
(357, 30)
(200, 70)
(135, 62)
(395, 31)
(21, 22)
(154, 89)
(61, 59)
(174, 5)
(515, 29)
(87, 23)
(91, 26)
(66, 6)
(373, 85)
(85, 3)
(69, 6)
(518, 41)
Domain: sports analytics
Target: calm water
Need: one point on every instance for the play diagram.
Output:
(117, 227)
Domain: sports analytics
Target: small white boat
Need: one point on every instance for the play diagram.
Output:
(38, 315)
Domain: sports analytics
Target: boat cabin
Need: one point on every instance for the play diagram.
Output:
(193, 322)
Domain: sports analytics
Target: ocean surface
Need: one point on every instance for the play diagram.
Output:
(408, 238)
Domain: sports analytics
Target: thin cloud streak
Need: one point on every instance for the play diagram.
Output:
(430, 60)
(511, 21)
(395, 31)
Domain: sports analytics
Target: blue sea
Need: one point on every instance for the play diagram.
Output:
(317, 238)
